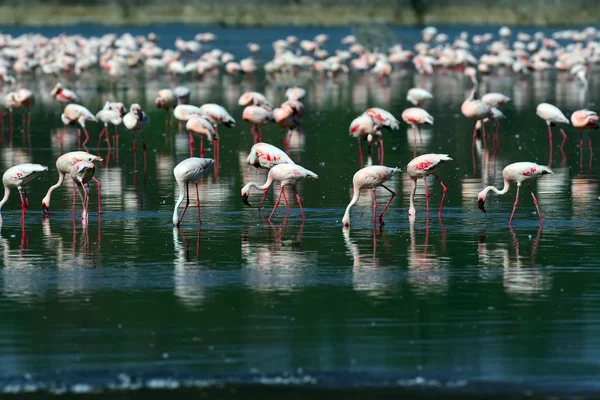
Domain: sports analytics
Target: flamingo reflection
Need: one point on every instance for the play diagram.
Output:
(187, 275)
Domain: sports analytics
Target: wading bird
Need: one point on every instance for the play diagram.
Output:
(421, 167)
(18, 177)
(189, 170)
(521, 172)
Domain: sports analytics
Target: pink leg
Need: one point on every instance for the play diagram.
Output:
(100, 137)
(198, 201)
(300, 204)
(550, 142)
(591, 153)
(420, 139)
(187, 202)
(263, 198)
(374, 208)
(536, 204)
(191, 144)
(580, 150)
(23, 206)
(254, 133)
(78, 139)
(515, 205)
(201, 147)
(388, 203)
(74, 200)
(443, 196)
(144, 147)
(276, 204)
(360, 153)
(87, 136)
(99, 190)
(381, 147)
(285, 198)
(414, 129)
(426, 195)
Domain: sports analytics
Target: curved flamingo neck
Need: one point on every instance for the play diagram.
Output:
(411, 209)
(4, 200)
(495, 190)
(46, 199)
(264, 186)
(355, 197)
(178, 203)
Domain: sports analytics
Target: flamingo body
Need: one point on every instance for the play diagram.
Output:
(18, 177)
(417, 96)
(189, 170)
(217, 115)
(419, 168)
(495, 99)
(266, 156)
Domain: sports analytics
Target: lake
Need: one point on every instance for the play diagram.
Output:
(240, 306)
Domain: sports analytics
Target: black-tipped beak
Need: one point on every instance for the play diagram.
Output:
(245, 200)
(46, 210)
(480, 205)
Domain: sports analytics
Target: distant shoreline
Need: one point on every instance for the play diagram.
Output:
(255, 14)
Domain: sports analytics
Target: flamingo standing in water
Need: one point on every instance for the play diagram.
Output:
(27, 99)
(553, 116)
(18, 177)
(77, 114)
(495, 101)
(421, 167)
(416, 116)
(217, 115)
(183, 94)
(266, 156)
(166, 100)
(257, 116)
(382, 119)
(364, 127)
(183, 112)
(63, 95)
(64, 165)
(189, 170)
(199, 125)
(370, 178)
(286, 175)
(520, 172)
(476, 110)
(11, 102)
(584, 120)
(137, 120)
(417, 96)
(107, 116)
(255, 99)
(286, 118)
(81, 173)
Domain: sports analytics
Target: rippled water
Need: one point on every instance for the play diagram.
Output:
(467, 305)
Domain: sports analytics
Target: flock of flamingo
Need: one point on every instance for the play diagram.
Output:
(75, 56)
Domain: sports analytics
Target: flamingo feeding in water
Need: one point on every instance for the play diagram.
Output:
(255, 99)
(18, 177)
(520, 172)
(421, 167)
(370, 178)
(286, 175)
(64, 165)
(189, 170)
(266, 156)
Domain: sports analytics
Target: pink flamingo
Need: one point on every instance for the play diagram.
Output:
(363, 127)
(421, 167)
(295, 93)
(266, 156)
(27, 99)
(201, 126)
(183, 112)
(495, 101)
(286, 175)
(520, 172)
(64, 165)
(285, 117)
(81, 173)
(552, 115)
(18, 177)
(189, 170)
(257, 116)
(11, 102)
(584, 120)
(63, 95)
(75, 113)
(107, 116)
(417, 96)
(382, 119)
(217, 115)
(137, 120)
(476, 110)
(255, 99)
(166, 100)
(370, 178)
(416, 116)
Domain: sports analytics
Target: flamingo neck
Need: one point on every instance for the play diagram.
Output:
(4, 200)
(493, 189)
(355, 196)
(411, 209)
(178, 203)
(46, 200)
(264, 186)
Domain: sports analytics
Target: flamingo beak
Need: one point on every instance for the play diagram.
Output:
(480, 205)
(245, 200)
(46, 210)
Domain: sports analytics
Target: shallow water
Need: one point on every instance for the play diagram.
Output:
(463, 305)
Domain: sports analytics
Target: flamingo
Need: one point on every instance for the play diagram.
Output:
(295, 93)
(18, 177)
(63, 95)
(107, 116)
(217, 115)
(553, 116)
(382, 119)
(166, 100)
(11, 102)
(183, 112)
(584, 120)
(75, 113)
(285, 117)
(255, 99)
(286, 175)
(417, 116)
(64, 164)
(495, 99)
(201, 126)
(266, 156)
(370, 178)
(183, 94)
(518, 173)
(137, 120)
(26, 99)
(257, 116)
(421, 167)
(476, 110)
(417, 96)
(364, 127)
(189, 170)
(81, 173)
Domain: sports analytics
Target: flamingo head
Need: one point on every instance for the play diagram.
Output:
(481, 202)
(46, 207)
(346, 221)
(245, 199)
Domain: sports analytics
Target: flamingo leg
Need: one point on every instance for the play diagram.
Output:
(191, 144)
(263, 198)
(388, 203)
(580, 150)
(420, 139)
(443, 195)
(254, 133)
(300, 204)
(201, 147)
(537, 207)
(276, 205)
(87, 136)
(187, 202)
(591, 153)
(473, 150)
(515, 205)
(381, 147)
(105, 129)
(78, 139)
(414, 129)
(360, 152)
(374, 208)
(198, 201)
(144, 147)
(99, 190)
(285, 198)
(426, 195)
(550, 142)
(23, 206)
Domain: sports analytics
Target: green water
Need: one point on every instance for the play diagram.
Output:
(468, 298)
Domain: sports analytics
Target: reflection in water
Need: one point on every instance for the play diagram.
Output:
(427, 272)
(187, 275)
